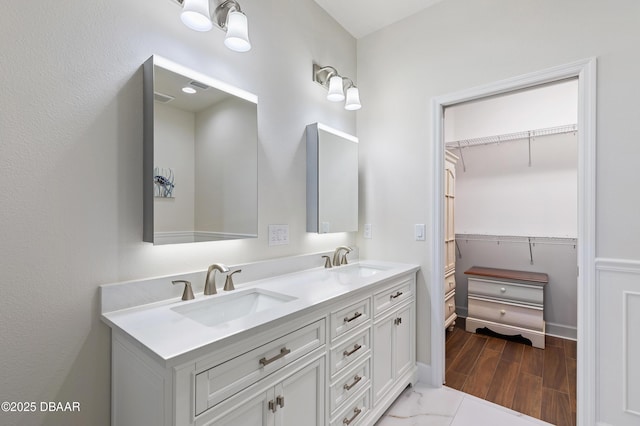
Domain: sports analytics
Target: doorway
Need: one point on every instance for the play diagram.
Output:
(585, 72)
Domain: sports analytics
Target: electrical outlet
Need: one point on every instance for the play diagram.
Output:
(278, 235)
(367, 231)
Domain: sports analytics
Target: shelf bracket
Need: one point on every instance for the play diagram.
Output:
(464, 167)
(529, 148)
(458, 248)
(530, 252)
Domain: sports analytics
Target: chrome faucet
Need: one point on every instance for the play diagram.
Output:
(228, 283)
(337, 260)
(327, 261)
(210, 280)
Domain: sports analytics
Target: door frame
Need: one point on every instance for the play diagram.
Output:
(585, 71)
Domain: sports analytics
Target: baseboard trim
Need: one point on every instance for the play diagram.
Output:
(562, 331)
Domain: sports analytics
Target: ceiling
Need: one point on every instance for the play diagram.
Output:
(362, 17)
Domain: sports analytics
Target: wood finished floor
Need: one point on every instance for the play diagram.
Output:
(540, 383)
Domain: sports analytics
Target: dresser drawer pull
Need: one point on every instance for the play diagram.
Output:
(502, 289)
(355, 316)
(283, 352)
(503, 312)
(356, 379)
(356, 412)
(398, 294)
(352, 351)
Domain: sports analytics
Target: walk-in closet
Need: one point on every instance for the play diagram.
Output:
(511, 250)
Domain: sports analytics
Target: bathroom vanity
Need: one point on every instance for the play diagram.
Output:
(313, 347)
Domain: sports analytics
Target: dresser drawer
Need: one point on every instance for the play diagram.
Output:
(222, 381)
(392, 296)
(349, 351)
(450, 282)
(350, 384)
(355, 412)
(509, 291)
(350, 317)
(530, 317)
(449, 305)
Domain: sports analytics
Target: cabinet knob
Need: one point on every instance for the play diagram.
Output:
(502, 289)
(502, 312)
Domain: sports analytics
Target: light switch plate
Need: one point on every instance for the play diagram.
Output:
(278, 235)
(420, 232)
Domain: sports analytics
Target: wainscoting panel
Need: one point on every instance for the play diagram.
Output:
(618, 341)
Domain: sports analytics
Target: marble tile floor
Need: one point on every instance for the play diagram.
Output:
(423, 405)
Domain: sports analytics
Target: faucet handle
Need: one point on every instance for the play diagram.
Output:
(344, 257)
(228, 283)
(187, 294)
(327, 261)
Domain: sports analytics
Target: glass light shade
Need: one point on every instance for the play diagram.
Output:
(336, 93)
(195, 15)
(353, 99)
(237, 32)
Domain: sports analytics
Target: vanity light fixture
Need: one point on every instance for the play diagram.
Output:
(328, 77)
(227, 15)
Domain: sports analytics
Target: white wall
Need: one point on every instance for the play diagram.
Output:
(499, 194)
(226, 167)
(174, 149)
(71, 171)
(459, 44)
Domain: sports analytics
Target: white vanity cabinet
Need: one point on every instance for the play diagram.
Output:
(393, 339)
(341, 361)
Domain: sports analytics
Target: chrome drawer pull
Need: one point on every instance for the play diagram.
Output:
(352, 351)
(280, 401)
(356, 411)
(356, 379)
(283, 352)
(502, 289)
(398, 294)
(272, 406)
(355, 316)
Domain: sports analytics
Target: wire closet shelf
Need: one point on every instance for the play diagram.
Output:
(507, 137)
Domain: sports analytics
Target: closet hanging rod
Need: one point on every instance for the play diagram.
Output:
(465, 143)
(517, 239)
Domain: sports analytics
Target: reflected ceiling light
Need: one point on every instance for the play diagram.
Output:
(227, 16)
(329, 78)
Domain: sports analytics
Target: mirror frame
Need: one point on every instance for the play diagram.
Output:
(148, 130)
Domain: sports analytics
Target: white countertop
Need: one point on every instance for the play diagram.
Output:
(167, 334)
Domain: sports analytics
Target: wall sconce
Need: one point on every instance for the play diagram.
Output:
(227, 15)
(336, 85)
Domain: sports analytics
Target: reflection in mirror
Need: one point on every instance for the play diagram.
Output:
(332, 180)
(200, 157)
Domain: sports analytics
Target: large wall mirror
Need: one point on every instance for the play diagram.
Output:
(332, 180)
(200, 157)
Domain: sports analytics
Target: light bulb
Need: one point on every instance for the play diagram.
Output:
(237, 32)
(353, 99)
(336, 93)
(195, 15)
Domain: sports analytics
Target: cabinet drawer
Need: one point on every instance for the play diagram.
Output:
(349, 351)
(450, 282)
(509, 291)
(222, 381)
(349, 384)
(530, 317)
(350, 317)
(450, 305)
(392, 296)
(355, 412)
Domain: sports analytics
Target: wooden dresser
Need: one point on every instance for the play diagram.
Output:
(507, 302)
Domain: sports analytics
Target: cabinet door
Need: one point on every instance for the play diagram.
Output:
(403, 340)
(383, 356)
(252, 411)
(300, 397)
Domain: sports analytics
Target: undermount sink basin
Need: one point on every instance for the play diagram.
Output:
(219, 309)
(359, 270)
